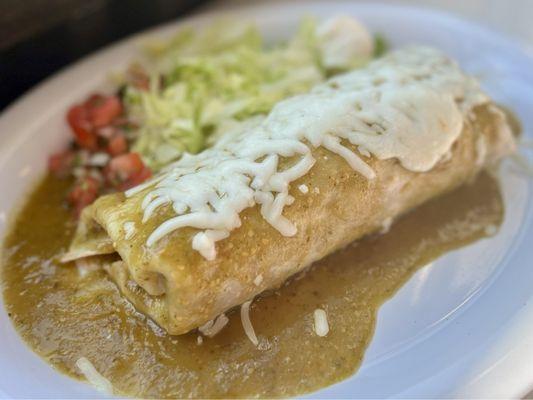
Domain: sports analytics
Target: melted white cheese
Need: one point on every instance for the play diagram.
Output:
(408, 105)
(204, 242)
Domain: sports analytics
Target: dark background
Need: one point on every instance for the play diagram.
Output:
(38, 37)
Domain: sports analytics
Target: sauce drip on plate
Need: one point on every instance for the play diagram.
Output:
(64, 316)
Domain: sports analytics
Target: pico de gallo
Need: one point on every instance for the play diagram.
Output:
(100, 157)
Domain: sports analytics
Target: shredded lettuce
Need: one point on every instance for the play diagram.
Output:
(205, 81)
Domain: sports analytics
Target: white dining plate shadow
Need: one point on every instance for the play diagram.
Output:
(461, 327)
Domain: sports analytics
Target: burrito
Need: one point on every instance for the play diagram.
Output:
(321, 170)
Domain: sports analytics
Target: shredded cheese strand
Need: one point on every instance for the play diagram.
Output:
(96, 379)
(321, 325)
(247, 323)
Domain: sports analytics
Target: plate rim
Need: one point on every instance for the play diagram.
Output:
(18, 107)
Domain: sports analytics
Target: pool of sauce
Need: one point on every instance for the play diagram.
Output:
(63, 316)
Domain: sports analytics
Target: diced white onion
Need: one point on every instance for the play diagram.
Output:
(98, 159)
(303, 188)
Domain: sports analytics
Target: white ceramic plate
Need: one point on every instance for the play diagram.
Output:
(460, 328)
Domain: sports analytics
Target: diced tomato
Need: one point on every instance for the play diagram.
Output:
(77, 118)
(83, 193)
(102, 113)
(98, 125)
(117, 145)
(60, 164)
(126, 171)
(136, 179)
(126, 165)
(96, 112)
(94, 100)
